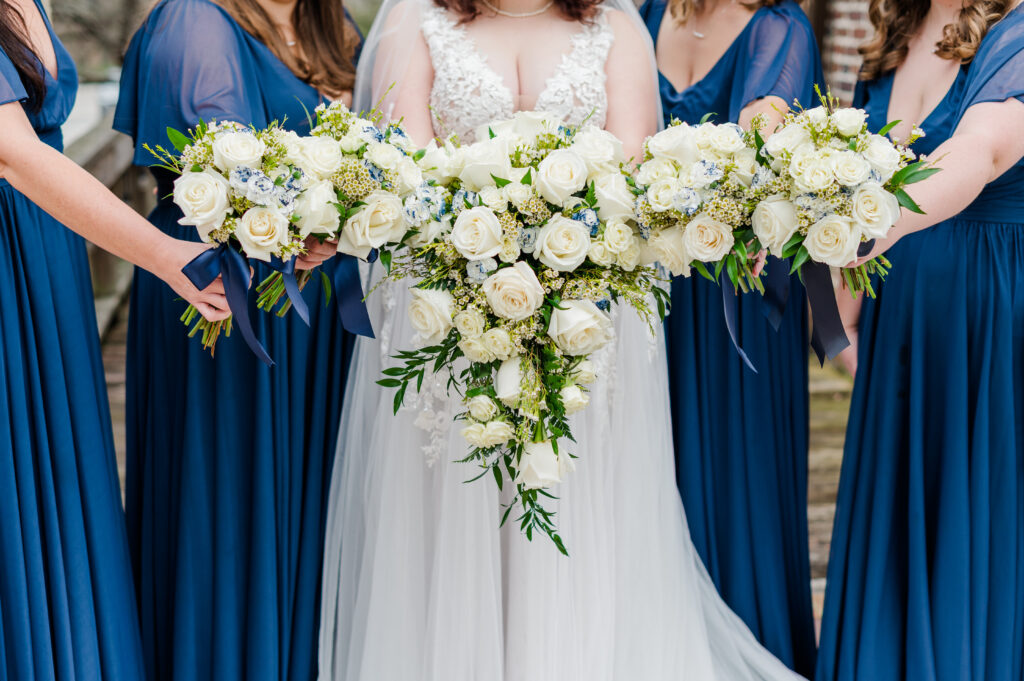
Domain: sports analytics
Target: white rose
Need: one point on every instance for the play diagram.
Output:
(677, 143)
(816, 176)
(498, 343)
(321, 157)
(482, 160)
(234, 148)
(655, 169)
(668, 248)
(430, 313)
(383, 155)
(482, 408)
(494, 198)
(477, 233)
(849, 121)
(486, 435)
(475, 350)
(817, 116)
(578, 327)
(379, 222)
(431, 231)
(514, 292)
(203, 198)
(850, 168)
(438, 163)
(630, 257)
(351, 142)
(600, 254)
(574, 399)
(775, 222)
(316, 210)
(614, 197)
(661, 195)
(532, 124)
(538, 466)
(409, 176)
(586, 372)
(707, 239)
(790, 137)
(562, 244)
(833, 240)
(508, 381)
(262, 231)
(599, 149)
(470, 323)
(883, 156)
(746, 165)
(726, 139)
(618, 235)
(518, 193)
(561, 174)
(875, 210)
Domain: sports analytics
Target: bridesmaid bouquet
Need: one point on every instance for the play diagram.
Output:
(695, 203)
(827, 185)
(522, 242)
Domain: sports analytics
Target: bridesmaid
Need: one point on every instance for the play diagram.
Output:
(926, 578)
(741, 436)
(66, 606)
(228, 460)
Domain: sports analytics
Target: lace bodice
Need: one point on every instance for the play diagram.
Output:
(468, 93)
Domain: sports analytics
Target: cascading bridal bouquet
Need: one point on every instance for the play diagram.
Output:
(523, 241)
(832, 185)
(695, 202)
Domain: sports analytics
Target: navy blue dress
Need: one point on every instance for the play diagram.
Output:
(926, 576)
(229, 461)
(741, 436)
(67, 610)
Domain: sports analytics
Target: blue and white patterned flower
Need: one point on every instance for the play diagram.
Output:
(477, 271)
(285, 199)
(604, 304)
(706, 172)
(762, 176)
(686, 201)
(464, 199)
(376, 174)
(371, 133)
(260, 189)
(239, 179)
(528, 239)
(296, 182)
(589, 219)
(417, 211)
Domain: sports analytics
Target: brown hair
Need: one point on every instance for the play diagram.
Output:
(327, 37)
(576, 10)
(896, 21)
(14, 41)
(684, 10)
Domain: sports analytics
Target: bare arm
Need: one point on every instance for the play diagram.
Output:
(774, 108)
(75, 198)
(632, 87)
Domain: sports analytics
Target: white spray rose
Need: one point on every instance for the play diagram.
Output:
(379, 222)
(494, 198)
(508, 381)
(482, 408)
(498, 343)
(790, 137)
(477, 233)
(475, 350)
(818, 116)
(316, 210)
(383, 155)
(655, 169)
(203, 198)
(600, 254)
(486, 435)
(470, 323)
(562, 244)
(574, 399)
(586, 372)
(726, 139)
(561, 174)
(579, 327)
(707, 239)
(816, 176)
(409, 176)
(483, 159)
(883, 156)
(677, 143)
(599, 149)
(614, 197)
(668, 248)
(630, 257)
(262, 231)
(662, 194)
(439, 163)
(618, 235)
(850, 168)
(430, 313)
(514, 292)
(234, 148)
(875, 210)
(849, 121)
(538, 466)
(321, 157)
(775, 222)
(833, 240)
(518, 193)
(746, 165)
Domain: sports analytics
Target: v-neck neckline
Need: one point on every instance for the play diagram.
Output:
(890, 86)
(54, 42)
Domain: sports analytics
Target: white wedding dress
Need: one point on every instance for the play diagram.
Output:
(420, 584)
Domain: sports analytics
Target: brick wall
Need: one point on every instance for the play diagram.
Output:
(846, 28)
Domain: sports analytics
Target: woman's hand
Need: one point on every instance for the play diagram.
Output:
(211, 301)
(316, 253)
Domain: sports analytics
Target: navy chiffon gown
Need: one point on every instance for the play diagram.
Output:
(741, 436)
(229, 461)
(67, 610)
(926, 576)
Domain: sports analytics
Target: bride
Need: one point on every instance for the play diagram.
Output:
(420, 584)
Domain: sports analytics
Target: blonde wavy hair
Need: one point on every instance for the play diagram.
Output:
(684, 10)
(896, 21)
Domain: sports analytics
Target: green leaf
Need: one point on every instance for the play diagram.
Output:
(498, 480)
(793, 245)
(901, 175)
(732, 269)
(853, 144)
(325, 282)
(197, 168)
(591, 195)
(389, 383)
(394, 371)
(706, 117)
(888, 126)
(527, 178)
(801, 257)
(385, 259)
(499, 182)
(904, 199)
(699, 266)
(419, 155)
(179, 140)
(918, 175)
(718, 268)
(491, 133)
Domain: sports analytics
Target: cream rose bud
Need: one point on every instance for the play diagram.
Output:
(378, 222)
(833, 240)
(562, 244)
(430, 313)
(514, 292)
(790, 137)
(849, 121)
(655, 169)
(508, 381)
(746, 165)
(475, 350)
(494, 198)
(483, 159)
(482, 408)
(321, 157)
(578, 327)
(574, 399)
(726, 139)
(470, 323)
(585, 372)
(351, 142)
(599, 149)
(477, 233)
(262, 231)
(668, 248)
(850, 168)
(614, 197)
(600, 254)
(517, 193)
(875, 210)
(538, 466)
(618, 235)
(234, 148)
(883, 157)
(561, 174)
(498, 343)
(316, 210)
(203, 198)
(661, 195)
(707, 239)
(775, 222)
(817, 116)
(486, 435)
(816, 176)
(676, 143)
(629, 259)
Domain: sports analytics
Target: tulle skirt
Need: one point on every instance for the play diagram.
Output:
(420, 583)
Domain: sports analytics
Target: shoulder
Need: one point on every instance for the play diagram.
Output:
(188, 20)
(782, 18)
(627, 29)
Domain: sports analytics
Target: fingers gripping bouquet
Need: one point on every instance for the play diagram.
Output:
(696, 204)
(523, 241)
(830, 185)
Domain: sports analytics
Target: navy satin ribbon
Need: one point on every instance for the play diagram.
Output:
(730, 306)
(232, 267)
(291, 285)
(776, 290)
(828, 337)
(348, 292)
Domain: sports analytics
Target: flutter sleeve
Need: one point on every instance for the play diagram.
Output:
(779, 58)
(11, 87)
(997, 72)
(187, 63)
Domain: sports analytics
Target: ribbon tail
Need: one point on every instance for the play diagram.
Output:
(730, 307)
(828, 337)
(291, 286)
(236, 286)
(776, 290)
(348, 292)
